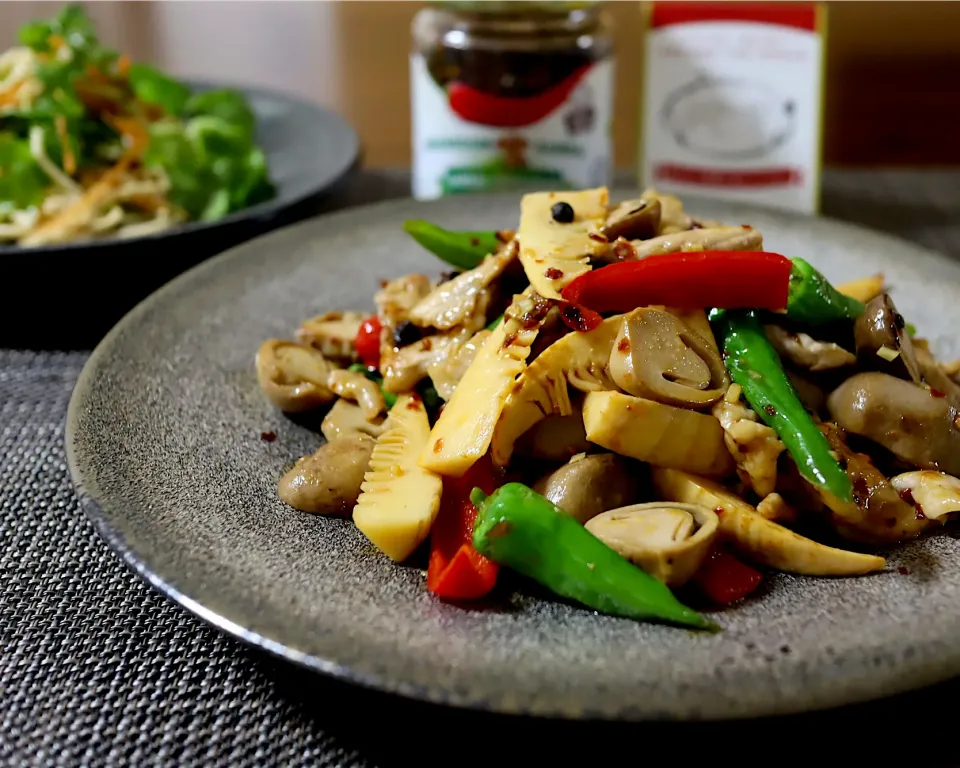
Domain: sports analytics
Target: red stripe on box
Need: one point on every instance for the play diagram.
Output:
(761, 177)
(799, 15)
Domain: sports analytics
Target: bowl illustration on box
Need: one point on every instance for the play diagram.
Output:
(728, 119)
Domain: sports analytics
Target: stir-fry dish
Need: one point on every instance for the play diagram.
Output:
(634, 407)
(92, 145)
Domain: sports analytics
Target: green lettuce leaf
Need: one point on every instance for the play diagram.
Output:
(151, 86)
(22, 181)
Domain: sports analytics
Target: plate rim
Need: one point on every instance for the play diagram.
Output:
(892, 683)
(347, 161)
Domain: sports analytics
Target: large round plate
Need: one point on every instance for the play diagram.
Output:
(164, 443)
(69, 295)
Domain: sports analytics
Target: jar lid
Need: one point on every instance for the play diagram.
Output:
(518, 6)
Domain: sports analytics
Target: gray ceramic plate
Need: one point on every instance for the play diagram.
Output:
(164, 445)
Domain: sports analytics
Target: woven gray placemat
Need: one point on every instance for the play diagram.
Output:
(97, 669)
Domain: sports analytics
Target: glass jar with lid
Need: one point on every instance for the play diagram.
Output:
(511, 95)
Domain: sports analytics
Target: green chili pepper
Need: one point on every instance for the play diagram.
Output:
(431, 398)
(755, 365)
(813, 300)
(495, 323)
(464, 250)
(388, 397)
(519, 528)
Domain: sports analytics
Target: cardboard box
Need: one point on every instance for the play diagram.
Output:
(733, 101)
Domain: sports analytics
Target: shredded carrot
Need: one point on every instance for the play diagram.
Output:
(95, 75)
(9, 97)
(69, 159)
(149, 203)
(133, 130)
(123, 65)
(56, 42)
(79, 213)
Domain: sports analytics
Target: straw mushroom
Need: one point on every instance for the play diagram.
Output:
(633, 220)
(659, 357)
(357, 387)
(293, 376)
(333, 333)
(588, 485)
(346, 418)
(328, 481)
(934, 494)
(668, 540)
(882, 341)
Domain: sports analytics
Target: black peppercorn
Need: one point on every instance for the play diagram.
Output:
(405, 333)
(562, 213)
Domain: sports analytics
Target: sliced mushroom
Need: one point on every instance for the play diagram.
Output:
(659, 357)
(346, 418)
(588, 485)
(455, 301)
(668, 540)
(394, 301)
(754, 446)
(934, 494)
(328, 481)
(398, 297)
(634, 220)
(673, 217)
(877, 514)
(557, 438)
(917, 424)
(358, 388)
(407, 366)
(883, 343)
(806, 352)
(446, 372)
(333, 333)
(697, 320)
(294, 376)
(934, 376)
(710, 239)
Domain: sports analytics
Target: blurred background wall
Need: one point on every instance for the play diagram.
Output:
(893, 82)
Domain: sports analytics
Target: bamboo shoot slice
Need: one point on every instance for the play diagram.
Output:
(580, 359)
(399, 500)
(463, 432)
(659, 434)
(758, 538)
(552, 253)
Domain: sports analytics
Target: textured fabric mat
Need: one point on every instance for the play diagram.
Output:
(97, 669)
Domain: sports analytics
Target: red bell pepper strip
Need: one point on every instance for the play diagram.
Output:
(694, 280)
(368, 342)
(456, 570)
(475, 106)
(724, 579)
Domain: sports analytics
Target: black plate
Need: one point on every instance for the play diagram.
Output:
(68, 296)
